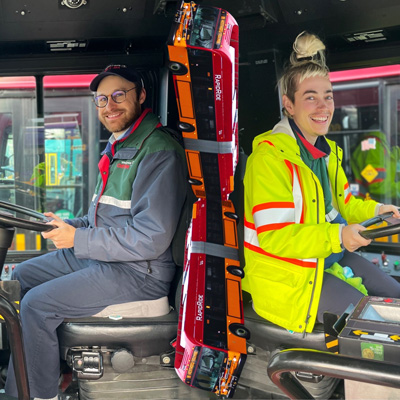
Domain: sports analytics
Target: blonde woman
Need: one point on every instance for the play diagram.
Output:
(300, 216)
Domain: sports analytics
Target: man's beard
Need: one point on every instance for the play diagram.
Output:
(124, 125)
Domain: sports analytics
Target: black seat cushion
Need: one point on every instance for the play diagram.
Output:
(269, 336)
(142, 336)
(151, 336)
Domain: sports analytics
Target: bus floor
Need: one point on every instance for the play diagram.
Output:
(148, 380)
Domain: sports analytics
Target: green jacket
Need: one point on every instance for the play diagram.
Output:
(286, 236)
(137, 202)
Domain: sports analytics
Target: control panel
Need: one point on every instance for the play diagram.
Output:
(389, 263)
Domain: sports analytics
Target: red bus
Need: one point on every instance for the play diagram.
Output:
(211, 342)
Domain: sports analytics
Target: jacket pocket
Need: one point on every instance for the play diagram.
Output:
(125, 153)
(278, 292)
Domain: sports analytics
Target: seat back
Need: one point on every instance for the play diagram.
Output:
(178, 241)
(178, 247)
(237, 197)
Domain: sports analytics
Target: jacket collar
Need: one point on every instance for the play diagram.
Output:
(283, 126)
(284, 140)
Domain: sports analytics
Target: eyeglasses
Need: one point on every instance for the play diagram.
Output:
(119, 96)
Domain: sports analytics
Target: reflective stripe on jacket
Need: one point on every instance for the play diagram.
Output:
(286, 235)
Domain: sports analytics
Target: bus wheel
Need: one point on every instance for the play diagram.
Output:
(195, 182)
(177, 68)
(232, 215)
(185, 127)
(240, 330)
(234, 270)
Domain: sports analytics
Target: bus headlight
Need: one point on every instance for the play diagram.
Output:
(73, 3)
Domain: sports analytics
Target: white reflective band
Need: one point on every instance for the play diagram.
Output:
(210, 146)
(273, 216)
(310, 260)
(250, 236)
(112, 201)
(331, 215)
(297, 197)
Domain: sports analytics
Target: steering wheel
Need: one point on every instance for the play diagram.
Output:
(8, 220)
(379, 232)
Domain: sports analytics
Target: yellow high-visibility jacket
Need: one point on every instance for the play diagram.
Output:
(286, 236)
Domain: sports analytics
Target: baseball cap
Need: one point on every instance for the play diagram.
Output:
(123, 71)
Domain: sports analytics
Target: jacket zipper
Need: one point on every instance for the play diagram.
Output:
(336, 178)
(316, 269)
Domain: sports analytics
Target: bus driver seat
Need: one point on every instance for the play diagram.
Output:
(127, 334)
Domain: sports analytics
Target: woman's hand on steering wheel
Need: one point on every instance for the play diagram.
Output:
(385, 213)
(385, 208)
(351, 238)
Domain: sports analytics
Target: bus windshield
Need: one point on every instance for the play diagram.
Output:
(208, 370)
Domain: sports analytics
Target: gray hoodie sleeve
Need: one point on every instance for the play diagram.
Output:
(158, 193)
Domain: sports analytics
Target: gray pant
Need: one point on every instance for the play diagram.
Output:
(57, 285)
(337, 295)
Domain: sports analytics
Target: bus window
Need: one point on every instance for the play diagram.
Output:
(366, 126)
(62, 167)
(6, 156)
(17, 106)
(56, 163)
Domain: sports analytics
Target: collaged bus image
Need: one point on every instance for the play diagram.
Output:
(204, 51)
(211, 331)
(203, 58)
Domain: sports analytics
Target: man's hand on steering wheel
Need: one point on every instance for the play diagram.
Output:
(63, 235)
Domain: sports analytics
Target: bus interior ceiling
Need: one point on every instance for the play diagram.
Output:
(82, 36)
(102, 28)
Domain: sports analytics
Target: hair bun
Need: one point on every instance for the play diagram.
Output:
(308, 47)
